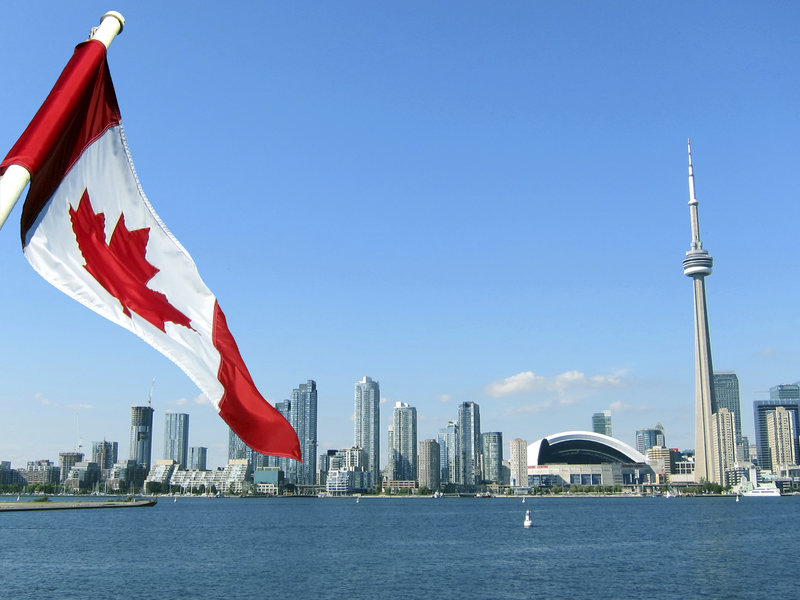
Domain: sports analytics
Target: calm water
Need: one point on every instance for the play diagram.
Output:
(412, 548)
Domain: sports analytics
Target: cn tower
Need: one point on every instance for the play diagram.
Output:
(697, 265)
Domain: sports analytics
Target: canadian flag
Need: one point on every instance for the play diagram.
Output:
(89, 230)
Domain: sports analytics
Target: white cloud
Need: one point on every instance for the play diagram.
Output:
(200, 399)
(568, 386)
(445, 397)
(78, 406)
(384, 400)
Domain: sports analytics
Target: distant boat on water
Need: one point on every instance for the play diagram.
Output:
(763, 491)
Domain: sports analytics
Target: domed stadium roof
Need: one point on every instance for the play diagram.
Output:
(581, 448)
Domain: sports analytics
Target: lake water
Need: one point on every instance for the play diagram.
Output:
(407, 548)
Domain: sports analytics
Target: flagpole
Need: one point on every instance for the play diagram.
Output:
(16, 177)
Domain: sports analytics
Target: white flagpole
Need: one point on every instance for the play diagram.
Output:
(14, 180)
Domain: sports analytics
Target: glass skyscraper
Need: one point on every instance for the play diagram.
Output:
(141, 435)
(404, 442)
(601, 422)
(198, 456)
(469, 442)
(647, 438)
(176, 438)
(449, 456)
(303, 417)
(367, 422)
(492, 456)
(726, 395)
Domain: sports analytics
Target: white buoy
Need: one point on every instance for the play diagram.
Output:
(527, 522)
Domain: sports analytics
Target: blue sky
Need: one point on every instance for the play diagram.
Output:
(463, 200)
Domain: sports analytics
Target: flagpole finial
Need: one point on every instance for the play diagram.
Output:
(111, 25)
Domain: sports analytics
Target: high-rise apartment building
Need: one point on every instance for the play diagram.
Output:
(176, 438)
(723, 430)
(601, 422)
(450, 459)
(781, 438)
(198, 457)
(367, 423)
(105, 453)
(492, 457)
(142, 435)
(519, 463)
(469, 442)
(761, 411)
(67, 460)
(697, 264)
(404, 442)
(429, 464)
(303, 418)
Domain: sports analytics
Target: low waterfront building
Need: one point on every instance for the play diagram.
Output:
(126, 475)
(268, 480)
(40, 472)
(83, 475)
(348, 481)
(161, 472)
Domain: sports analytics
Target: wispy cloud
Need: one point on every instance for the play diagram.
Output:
(444, 397)
(528, 409)
(568, 386)
(768, 353)
(620, 406)
(80, 406)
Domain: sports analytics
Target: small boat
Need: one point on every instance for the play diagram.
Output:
(737, 497)
(527, 522)
(358, 500)
(523, 500)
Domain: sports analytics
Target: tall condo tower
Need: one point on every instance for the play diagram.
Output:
(141, 435)
(176, 438)
(697, 265)
(403, 452)
(367, 423)
(303, 418)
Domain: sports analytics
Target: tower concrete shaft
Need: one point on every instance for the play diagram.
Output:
(697, 264)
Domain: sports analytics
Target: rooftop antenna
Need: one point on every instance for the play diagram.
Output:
(78, 433)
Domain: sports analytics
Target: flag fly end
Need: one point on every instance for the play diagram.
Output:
(111, 25)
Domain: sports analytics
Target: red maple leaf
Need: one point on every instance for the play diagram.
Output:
(120, 266)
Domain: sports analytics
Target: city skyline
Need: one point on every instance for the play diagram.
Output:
(513, 193)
